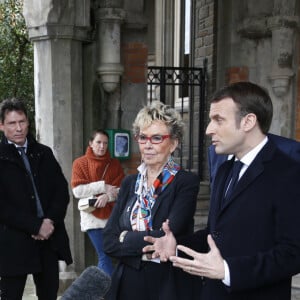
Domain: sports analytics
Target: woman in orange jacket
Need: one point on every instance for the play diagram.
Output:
(96, 175)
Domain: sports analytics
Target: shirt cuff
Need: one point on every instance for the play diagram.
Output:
(122, 236)
(226, 279)
(111, 198)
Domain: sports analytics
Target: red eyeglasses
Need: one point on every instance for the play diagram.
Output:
(154, 139)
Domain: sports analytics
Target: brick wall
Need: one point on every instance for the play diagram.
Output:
(235, 74)
(205, 49)
(130, 165)
(205, 27)
(134, 58)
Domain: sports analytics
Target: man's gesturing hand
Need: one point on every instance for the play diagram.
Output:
(209, 264)
(162, 247)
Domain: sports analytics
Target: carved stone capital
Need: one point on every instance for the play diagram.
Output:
(254, 28)
(109, 75)
(277, 22)
(110, 14)
(57, 19)
(262, 27)
(51, 31)
(281, 83)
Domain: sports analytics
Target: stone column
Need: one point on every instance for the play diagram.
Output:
(57, 30)
(283, 55)
(280, 30)
(109, 15)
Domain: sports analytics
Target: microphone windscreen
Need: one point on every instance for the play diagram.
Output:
(92, 284)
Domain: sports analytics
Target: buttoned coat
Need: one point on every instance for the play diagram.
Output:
(176, 203)
(257, 230)
(19, 252)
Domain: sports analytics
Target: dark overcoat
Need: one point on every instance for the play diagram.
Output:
(19, 252)
(176, 203)
(257, 231)
(287, 146)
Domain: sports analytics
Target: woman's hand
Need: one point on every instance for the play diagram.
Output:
(101, 201)
(111, 190)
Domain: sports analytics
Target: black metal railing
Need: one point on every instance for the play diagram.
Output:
(184, 89)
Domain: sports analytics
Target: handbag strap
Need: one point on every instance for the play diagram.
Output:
(106, 167)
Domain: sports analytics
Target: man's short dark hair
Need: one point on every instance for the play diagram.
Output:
(250, 98)
(12, 104)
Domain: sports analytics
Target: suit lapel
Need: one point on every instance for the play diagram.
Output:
(158, 201)
(218, 190)
(252, 172)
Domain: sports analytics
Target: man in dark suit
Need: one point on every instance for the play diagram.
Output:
(253, 236)
(288, 146)
(33, 201)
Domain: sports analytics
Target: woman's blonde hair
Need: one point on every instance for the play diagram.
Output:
(155, 111)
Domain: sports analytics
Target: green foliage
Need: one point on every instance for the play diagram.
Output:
(16, 55)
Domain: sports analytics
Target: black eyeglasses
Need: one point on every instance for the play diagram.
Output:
(154, 139)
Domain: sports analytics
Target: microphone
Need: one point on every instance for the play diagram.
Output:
(92, 284)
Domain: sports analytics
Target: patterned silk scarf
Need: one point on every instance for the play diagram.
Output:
(141, 218)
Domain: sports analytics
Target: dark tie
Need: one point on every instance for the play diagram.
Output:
(40, 212)
(232, 179)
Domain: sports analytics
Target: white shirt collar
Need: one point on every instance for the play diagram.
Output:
(248, 158)
(25, 144)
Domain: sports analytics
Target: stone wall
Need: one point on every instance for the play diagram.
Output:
(256, 41)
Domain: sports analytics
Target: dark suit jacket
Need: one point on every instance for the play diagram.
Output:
(257, 232)
(176, 203)
(288, 146)
(19, 252)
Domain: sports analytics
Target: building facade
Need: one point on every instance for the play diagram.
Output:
(91, 61)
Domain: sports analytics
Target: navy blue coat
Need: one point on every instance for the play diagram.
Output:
(176, 203)
(19, 252)
(257, 232)
(288, 146)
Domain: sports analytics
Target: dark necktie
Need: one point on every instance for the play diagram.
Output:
(40, 212)
(233, 179)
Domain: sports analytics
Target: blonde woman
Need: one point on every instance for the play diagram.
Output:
(160, 190)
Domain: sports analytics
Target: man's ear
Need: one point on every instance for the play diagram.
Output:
(249, 122)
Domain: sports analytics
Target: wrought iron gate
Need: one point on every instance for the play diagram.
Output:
(184, 89)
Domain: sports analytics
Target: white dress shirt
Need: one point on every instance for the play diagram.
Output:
(247, 159)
